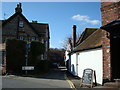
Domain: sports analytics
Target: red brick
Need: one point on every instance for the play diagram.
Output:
(110, 11)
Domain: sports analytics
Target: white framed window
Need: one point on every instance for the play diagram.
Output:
(21, 38)
(33, 38)
(21, 24)
(42, 57)
(42, 40)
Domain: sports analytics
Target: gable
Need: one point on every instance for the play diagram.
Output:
(11, 25)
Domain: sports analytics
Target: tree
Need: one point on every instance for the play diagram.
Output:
(56, 55)
(67, 40)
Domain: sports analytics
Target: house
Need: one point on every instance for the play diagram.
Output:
(17, 26)
(110, 12)
(113, 28)
(87, 53)
(100, 49)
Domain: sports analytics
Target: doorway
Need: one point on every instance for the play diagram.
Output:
(115, 57)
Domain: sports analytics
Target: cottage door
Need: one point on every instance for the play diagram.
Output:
(115, 55)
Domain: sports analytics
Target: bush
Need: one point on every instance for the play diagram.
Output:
(36, 49)
(15, 55)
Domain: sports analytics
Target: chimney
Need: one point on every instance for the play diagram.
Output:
(34, 21)
(20, 5)
(74, 36)
(18, 8)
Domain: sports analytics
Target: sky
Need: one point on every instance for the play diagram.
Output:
(61, 16)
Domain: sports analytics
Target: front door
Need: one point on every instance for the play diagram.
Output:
(115, 57)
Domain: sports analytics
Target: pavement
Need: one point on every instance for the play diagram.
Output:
(76, 84)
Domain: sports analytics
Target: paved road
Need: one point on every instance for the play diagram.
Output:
(54, 79)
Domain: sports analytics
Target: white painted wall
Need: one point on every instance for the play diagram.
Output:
(66, 55)
(91, 59)
(73, 64)
(68, 58)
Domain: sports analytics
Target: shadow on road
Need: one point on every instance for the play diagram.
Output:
(55, 73)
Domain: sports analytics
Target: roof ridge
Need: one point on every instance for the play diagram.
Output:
(83, 34)
(88, 37)
(39, 23)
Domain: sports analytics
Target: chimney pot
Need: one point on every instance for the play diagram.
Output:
(34, 21)
(74, 36)
(18, 8)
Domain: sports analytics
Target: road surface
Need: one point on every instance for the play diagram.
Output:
(54, 79)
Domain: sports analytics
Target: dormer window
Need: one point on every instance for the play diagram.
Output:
(21, 24)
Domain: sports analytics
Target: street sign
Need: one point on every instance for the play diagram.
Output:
(27, 67)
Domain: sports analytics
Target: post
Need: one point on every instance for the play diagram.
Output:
(27, 50)
(26, 59)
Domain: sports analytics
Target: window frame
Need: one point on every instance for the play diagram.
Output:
(21, 24)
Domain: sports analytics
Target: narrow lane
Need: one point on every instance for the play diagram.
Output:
(54, 79)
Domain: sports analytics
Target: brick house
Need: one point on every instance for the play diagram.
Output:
(110, 11)
(17, 26)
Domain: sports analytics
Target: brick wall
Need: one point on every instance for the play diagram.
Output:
(110, 11)
(106, 57)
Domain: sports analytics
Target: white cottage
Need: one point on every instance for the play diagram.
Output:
(87, 53)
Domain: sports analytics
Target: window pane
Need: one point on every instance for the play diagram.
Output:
(21, 38)
(21, 24)
(33, 38)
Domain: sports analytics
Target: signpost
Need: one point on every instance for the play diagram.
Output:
(27, 51)
(87, 79)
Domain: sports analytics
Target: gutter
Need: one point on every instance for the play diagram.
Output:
(74, 51)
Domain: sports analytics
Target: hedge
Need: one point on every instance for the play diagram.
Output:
(15, 55)
(36, 49)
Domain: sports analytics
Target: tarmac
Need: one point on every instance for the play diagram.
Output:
(76, 81)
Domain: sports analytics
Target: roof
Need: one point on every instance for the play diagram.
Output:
(92, 41)
(17, 13)
(86, 33)
(111, 26)
(40, 27)
(36, 27)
